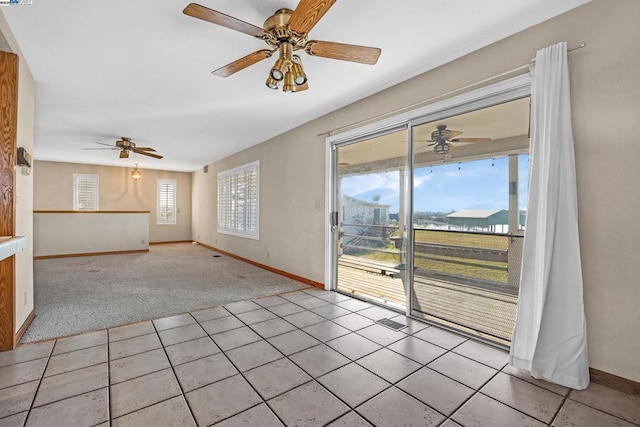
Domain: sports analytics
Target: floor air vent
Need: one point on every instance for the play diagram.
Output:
(391, 324)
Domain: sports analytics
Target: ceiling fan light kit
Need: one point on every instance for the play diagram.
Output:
(286, 31)
(136, 175)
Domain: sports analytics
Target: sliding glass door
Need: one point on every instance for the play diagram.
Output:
(370, 217)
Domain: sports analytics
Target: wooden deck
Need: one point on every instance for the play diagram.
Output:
(488, 311)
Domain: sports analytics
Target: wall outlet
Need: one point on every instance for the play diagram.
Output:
(143, 241)
(267, 254)
(25, 298)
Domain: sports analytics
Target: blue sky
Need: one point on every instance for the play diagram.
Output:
(444, 188)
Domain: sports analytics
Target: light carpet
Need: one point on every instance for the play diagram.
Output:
(74, 295)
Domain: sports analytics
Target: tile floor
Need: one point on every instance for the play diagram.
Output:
(307, 358)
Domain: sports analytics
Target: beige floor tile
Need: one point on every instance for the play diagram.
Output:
(16, 420)
(376, 313)
(270, 301)
(85, 410)
(191, 350)
(330, 311)
(256, 316)
(295, 296)
(526, 376)
(173, 321)
(483, 411)
(440, 337)
(17, 398)
(312, 302)
(609, 400)
(412, 325)
(22, 372)
(483, 353)
(72, 383)
(293, 342)
(381, 334)
(353, 346)
(173, 412)
(417, 349)
(130, 331)
(26, 353)
(394, 408)
(76, 359)
(461, 369)
(259, 415)
(78, 342)
(131, 346)
(140, 392)
(181, 334)
(441, 393)
(210, 314)
(272, 327)
(319, 360)
(304, 319)
(221, 400)
(325, 331)
(204, 371)
(221, 324)
(285, 309)
(353, 384)
(253, 355)
(576, 414)
(353, 321)
(523, 396)
(276, 378)
(354, 305)
(352, 419)
(389, 365)
(307, 405)
(235, 338)
(333, 297)
(138, 365)
(242, 307)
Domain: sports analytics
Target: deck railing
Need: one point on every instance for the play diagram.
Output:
(469, 279)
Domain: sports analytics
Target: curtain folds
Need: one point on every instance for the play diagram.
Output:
(550, 335)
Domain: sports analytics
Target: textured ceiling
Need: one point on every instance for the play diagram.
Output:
(142, 69)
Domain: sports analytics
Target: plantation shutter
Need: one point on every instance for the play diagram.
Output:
(85, 192)
(166, 201)
(238, 201)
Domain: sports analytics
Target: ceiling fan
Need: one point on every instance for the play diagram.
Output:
(442, 139)
(125, 145)
(286, 31)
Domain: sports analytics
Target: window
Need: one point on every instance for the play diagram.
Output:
(85, 192)
(238, 201)
(166, 201)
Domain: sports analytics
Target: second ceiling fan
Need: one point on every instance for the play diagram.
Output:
(285, 32)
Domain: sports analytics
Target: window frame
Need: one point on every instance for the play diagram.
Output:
(223, 224)
(159, 219)
(86, 176)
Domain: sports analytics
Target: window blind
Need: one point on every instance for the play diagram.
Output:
(166, 201)
(238, 201)
(85, 192)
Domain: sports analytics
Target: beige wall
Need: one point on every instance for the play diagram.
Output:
(605, 109)
(53, 182)
(23, 183)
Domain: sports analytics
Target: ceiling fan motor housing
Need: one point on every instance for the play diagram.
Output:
(277, 24)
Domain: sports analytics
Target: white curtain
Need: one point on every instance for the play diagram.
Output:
(550, 335)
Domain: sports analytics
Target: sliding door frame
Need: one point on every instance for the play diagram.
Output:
(487, 96)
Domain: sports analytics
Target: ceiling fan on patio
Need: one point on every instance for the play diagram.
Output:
(285, 32)
(442, 139)
(125, 145)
